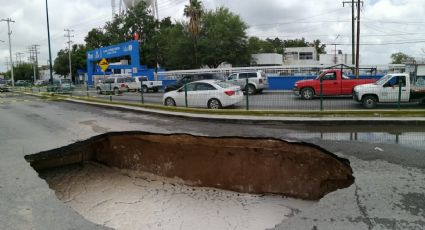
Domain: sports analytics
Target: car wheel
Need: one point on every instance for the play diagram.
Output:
(251, 89)
(369, 101)
(214, 104)
(307, 93)
(116, 91)
(98, 90)
(145, 89)
(169, 102)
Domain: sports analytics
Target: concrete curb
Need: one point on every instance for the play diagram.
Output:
(266, 120)
(241, 119)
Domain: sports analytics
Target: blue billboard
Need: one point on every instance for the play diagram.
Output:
(130, 48)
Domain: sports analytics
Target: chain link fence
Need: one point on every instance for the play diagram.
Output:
(335, 89)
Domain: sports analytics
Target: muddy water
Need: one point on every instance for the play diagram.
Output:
(134, 200)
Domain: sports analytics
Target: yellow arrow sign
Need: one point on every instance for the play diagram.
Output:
(104, 64)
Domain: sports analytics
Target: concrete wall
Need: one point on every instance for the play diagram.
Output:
(267, 59)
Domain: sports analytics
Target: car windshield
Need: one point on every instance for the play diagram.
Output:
(224, 84)
(383, 80)
(66, 81)
(130, 79)
(320, 75)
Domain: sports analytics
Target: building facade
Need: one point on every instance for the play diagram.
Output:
(267, 59)
(300, 56)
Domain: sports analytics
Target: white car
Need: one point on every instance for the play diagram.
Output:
(153, 86)
(212, 94)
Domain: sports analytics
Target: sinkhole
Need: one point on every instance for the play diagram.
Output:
(126, 180)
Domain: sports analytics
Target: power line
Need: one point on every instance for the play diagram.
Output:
(33, 51)
(301, 20)
(19, 57)
(382, 44)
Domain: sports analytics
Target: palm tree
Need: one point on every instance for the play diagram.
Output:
(194, 12)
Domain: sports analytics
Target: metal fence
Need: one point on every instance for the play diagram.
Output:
(398, 96)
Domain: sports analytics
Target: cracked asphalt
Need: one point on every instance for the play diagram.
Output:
(388, 163)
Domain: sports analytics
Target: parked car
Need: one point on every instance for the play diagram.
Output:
(334, 83)
(114, 85)
(41, 83)
(191, 78)
(153, 86)
(3, 86)
(257, 81)
(60, 85)
(212, 94)
(22, 83)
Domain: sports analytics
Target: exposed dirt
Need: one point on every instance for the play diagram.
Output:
(246, 165)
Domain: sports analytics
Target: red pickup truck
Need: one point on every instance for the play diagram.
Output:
(335, 83)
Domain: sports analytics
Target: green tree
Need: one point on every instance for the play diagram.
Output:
(175, 46)
(78, 57)
(320, 48)
(23, 71)
(254, 45)
(277, 45)
(295, 43)
(123, 27)
(96, 38)
(223, 39)
(399, 58)
(194, 12)
(140, 20)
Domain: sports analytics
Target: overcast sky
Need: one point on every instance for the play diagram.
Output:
(398, 25)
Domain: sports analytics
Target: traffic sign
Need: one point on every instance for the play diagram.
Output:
(104, 64)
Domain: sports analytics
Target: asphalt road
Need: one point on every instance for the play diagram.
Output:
(269, 100)
(388, 163)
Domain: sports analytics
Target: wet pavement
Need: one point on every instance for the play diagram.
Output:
(388, 163)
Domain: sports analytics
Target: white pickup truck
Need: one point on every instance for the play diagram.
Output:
(153, 86)
(387, 90)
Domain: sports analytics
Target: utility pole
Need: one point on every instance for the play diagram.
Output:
(19, 57)
(50, 49)
(69, 36)
(36, 56)
(335, 50)
(33, 59)
(9, 20)
(355, 49)
(358, 38)
(353, 28)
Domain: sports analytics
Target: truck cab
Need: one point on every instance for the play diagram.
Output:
(334, 83)
(392, 88)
